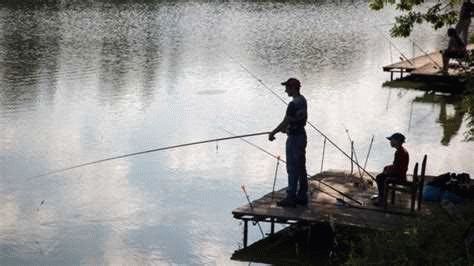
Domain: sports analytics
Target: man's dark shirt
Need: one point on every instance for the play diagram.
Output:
(297, 108)
(466, 11)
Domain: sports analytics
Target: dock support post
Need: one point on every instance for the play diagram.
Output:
(245, 232)
(391, 75)
(272, 227)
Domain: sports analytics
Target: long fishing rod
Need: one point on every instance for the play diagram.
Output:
(393, 45)
(414, 43)
(275, 176)
(353, 149)
(251, 207)
(426, 54)
(278, 158)
(309, 123)
(148, 151)
(368, 152)
(389, 41)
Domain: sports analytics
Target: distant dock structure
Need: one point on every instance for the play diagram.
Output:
(428, 67)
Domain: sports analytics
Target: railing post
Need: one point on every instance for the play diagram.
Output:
(272, 226)
(352, 157)
(322, 159)
(275, 177)
(245, 233)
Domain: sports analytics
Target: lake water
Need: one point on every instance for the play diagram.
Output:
(86, 81)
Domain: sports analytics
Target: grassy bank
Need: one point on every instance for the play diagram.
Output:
(436, 239)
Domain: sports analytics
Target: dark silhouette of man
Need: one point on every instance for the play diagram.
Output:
(293, 125)
(465, 14)
(456, 49)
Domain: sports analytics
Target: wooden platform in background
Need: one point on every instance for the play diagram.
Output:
(426, 66)
(323, 205)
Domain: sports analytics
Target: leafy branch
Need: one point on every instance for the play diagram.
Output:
(439, 15)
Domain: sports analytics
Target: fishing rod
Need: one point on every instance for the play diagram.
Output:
(275, 176)
(413, 41)
(278, 158)
(389, 41)
(309, 123)
(148, 151)
(368, 152)
(353, 149)
(393, 45)
(251, 207)
(385, 37)
(426, 54)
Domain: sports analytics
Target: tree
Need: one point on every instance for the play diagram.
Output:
(439, 14)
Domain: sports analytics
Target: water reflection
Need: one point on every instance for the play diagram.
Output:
(85, 81)
(114, 67)
(30, 49)
(450, 121)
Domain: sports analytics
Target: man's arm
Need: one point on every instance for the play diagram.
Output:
(280, 128)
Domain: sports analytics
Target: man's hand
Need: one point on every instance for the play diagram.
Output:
(271, 136)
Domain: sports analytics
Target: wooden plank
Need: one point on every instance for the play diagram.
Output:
(428, 64)
(416, 62)
(324, 207)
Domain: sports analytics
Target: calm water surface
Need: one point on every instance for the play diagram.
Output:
(83, 82)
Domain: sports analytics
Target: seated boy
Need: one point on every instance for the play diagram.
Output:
(397, 171)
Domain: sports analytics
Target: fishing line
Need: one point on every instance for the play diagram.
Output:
(413, 41)
(392, 44)
(426, 54)
(386, 38)
(144, 152)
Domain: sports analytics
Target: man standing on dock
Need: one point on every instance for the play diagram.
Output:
(293, 125)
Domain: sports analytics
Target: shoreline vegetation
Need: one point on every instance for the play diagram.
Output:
(468, 102)
(441, 238)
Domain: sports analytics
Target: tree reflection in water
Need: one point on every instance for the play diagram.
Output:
(449, 121)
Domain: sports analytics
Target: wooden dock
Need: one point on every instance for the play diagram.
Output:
(428, 66)
(324, 206)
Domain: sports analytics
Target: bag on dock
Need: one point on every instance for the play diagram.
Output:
(432, 193)
(449, 186)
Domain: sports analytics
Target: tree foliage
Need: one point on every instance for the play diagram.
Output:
(438, 14)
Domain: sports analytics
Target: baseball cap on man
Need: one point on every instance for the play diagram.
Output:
(292, 82)
(397, 136)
